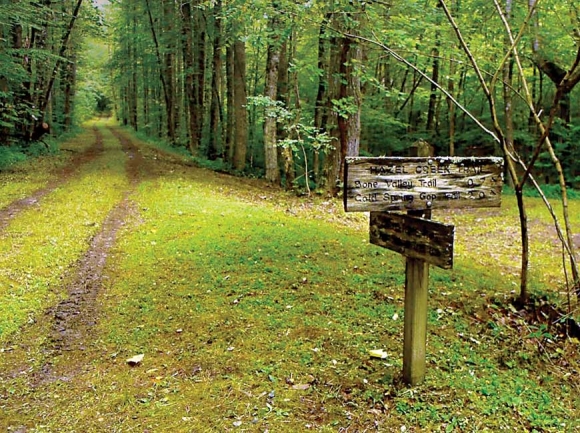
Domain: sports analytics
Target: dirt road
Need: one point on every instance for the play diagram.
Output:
(54, 349)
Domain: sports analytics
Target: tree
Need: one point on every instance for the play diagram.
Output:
(37, 76)
(345, 95)
(214, 146)
(191, 93)
(272, 173)
(240, 112)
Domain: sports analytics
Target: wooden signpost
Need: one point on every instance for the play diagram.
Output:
(418, 184)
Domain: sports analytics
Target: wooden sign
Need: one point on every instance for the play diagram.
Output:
(413, 237)
(414, 183)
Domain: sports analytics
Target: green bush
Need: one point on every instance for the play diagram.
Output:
(10, 156)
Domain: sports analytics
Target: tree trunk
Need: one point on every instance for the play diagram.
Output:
(283, 96)
(353, 91)
(190, 85)
(169, 70)
(507, 90)
(271, 86)
(240, 104)
(162, 78)
(433, 96)
(214, 145)
(199, 71)
(230, 119)
(132, 87)
(69, 92)
(331, 167)
(451, 108)
(321, 106)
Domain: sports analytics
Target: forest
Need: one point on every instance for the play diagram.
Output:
(174, 253)
(284, 89)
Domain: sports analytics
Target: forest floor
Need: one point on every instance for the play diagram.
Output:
(140, 293)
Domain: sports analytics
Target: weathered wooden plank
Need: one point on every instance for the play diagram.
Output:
(414, 183)
(413, 237)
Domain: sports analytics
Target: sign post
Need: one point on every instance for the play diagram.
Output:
(418, 185)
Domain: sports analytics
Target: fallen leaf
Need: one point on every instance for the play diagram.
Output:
(378, 353)
(301, 386)
(136, 360)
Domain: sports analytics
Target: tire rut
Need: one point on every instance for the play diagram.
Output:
(74, 317)
(12, 210)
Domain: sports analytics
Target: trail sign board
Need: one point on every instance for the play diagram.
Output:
(414, 237)
(414, 183)
(418, 185)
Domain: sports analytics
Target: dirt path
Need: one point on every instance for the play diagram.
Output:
(63, 333)
(61, 177)
(74, 316)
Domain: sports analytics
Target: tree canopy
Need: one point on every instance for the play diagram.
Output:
(288, 88)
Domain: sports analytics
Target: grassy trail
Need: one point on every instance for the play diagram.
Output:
(254, 310)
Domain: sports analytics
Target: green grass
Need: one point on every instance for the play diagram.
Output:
(255, 311)
(23, 178)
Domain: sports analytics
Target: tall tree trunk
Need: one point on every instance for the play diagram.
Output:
(285, 153)
(169, 69)
(230, 119)
(271, 86)
(214, 121)
(146, 93)
(69, 91)
(17, 43)
(132, 87)
(451, 107)
(345, 87)
(321, 106)
(352, 92)
(162, 78)
(193, 113)
(507, 89)
(37, 67)
(331, 167)
(240, 103)
(200, 69)
(433, 96)
(509, 144)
